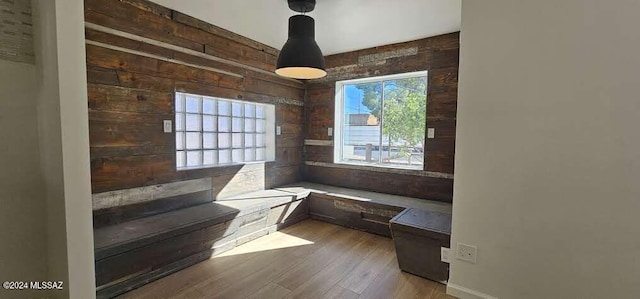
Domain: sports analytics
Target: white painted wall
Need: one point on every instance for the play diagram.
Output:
(22, 203)
(547, 176)
(64, 144)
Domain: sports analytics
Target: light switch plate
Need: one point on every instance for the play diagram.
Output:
(431, 133)
(330, 132)
(278, 130)
(168, 127)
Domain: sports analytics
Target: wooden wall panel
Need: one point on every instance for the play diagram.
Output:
(440, 189)
(132, 19)
(140, 53)
(319, 153)
(193, 22)
(113, 98)
(440, 57)
(126, 129)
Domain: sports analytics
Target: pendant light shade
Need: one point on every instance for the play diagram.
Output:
(300, 57)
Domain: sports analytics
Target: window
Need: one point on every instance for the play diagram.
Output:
(213, 132)
(381, 121)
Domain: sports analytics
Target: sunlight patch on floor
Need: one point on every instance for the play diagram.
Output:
(276, 240)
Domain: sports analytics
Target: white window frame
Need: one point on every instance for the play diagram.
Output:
(181, 129)
(339, 117)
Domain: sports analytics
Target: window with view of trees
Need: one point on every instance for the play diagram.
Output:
(381, 121)
(216, 132)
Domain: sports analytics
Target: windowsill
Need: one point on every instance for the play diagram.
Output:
(221, 165)
(405, 171)
(379, 166)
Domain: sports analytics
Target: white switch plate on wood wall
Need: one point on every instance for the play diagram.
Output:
(167, 126)
(431, 133)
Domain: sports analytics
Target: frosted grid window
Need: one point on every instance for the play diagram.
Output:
(215, 132)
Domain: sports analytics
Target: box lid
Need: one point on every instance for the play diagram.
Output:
(428, 223)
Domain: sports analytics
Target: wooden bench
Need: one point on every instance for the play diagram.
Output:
(132, 253)
(364, 210)
(419, 227)
(151, 243)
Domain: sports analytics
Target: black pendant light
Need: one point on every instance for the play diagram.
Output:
(300, 57)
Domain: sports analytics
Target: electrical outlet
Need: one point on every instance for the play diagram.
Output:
(278, 130)
(466, 253)
(444, 254)
(167, 126)
(330, 132)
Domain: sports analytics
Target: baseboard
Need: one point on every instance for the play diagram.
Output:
(465, 293)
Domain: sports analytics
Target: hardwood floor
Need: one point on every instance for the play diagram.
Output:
(311, 259)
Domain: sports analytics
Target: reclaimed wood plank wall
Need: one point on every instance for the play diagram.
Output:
(440, 57)
(138, 54)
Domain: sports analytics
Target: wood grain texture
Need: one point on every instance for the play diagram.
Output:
(116, 239)
(120, 15)
(115, 215)
(133, 253)
(437, 55)
(132, 75)
(418, 236)
(439, 189)
(112, 98)
(364, 213)
(306, 188)
(271, 290)
(148, 193)
(309, 260)
(193, 22)
(113, 268)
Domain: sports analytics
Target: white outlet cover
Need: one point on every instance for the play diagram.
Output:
(330, 132)
(167, 126)
(467, 253)
(431, 133)
(444, 254)
(278, 130)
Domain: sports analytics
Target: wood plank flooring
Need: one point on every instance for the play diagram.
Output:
(311, 259)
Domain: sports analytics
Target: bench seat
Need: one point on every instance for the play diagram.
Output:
(363, 210)
(419, 227)
(114, 239)
(133, 253)
(303, 188)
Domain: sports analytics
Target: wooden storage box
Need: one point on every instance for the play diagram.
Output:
(418, 236)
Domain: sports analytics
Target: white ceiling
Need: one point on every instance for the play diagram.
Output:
(341, 25)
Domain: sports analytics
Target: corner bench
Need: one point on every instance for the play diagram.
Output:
(419, 227)
(364, 210)
(135, 252)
